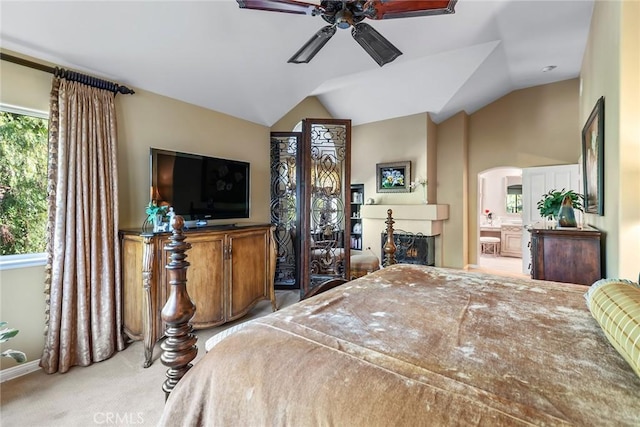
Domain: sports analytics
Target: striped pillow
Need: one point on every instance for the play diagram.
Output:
(615, 304)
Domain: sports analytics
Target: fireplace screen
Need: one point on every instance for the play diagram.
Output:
(412, 248)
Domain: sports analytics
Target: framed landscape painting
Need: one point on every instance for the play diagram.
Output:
(593, 160)
(393, 177)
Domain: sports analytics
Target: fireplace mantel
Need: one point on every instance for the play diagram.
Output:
(425, 219)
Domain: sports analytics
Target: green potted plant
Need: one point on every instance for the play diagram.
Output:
(155, 214)
(550, 204)
(5, 335)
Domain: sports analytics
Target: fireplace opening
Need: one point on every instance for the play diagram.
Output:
(412, 248)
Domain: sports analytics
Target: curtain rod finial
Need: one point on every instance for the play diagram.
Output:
(124, 90)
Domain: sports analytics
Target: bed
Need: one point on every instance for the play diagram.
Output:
(412, 345)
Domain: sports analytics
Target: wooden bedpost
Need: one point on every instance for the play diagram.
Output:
(179, 348)
(389, 245)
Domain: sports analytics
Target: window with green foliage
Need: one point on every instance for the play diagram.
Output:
(23, 181)
(514, 203)
(514, 199)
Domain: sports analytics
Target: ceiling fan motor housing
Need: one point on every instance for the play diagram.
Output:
(343, 14)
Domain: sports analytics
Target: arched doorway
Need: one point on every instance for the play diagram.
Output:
(499, 220)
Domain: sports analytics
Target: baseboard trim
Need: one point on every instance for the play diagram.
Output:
(19, 370)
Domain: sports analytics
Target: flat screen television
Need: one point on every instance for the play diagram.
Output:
(200, 187)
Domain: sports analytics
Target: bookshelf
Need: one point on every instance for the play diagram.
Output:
(357, 200)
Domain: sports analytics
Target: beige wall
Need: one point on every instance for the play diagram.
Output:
(148, 120)
(144, 120)
(432, 161)
(529, 127)
(24, 87)
(394, 140)
(629, 167)
(22, 306)
(611, 68)
(453, 183)
(308, 108)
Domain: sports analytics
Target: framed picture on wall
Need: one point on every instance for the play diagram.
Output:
(393, 177)
(593, 160)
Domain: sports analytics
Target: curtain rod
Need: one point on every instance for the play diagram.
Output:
(70, 75)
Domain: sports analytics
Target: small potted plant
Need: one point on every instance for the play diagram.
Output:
(551, 202)
(155, 214)
(5, 335)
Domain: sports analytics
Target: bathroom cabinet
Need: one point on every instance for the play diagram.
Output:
(511, 241)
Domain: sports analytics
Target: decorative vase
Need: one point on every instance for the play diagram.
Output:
(157, 223)
(566, 216)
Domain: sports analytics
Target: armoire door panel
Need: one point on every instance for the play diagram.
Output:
(132, 289)
(206, 266)
(248, 283)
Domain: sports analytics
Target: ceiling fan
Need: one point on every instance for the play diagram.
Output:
(350, 13)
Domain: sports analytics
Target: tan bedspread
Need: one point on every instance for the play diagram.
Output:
(416, 346)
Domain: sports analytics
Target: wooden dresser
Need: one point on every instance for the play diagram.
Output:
(567, 255)
(231, 270)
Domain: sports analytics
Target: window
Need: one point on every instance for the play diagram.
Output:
(514, 199)
(514, 194)
(23, 181)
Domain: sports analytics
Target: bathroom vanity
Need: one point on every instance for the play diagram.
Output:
(511, 240)
(510, 235)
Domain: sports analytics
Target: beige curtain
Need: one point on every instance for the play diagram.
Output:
(83, 270)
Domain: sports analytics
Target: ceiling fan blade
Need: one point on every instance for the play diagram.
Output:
(315, 43)
(380, 49)
(286, 6)
(389, 9)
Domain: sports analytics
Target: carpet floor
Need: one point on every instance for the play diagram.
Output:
(117, 391)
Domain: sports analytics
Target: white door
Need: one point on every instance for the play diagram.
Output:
(535, 183)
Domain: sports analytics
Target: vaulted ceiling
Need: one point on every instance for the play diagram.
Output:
(218, 56)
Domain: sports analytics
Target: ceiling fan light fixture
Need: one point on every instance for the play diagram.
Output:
(344, 19)
(313, 46)
(379, 48)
